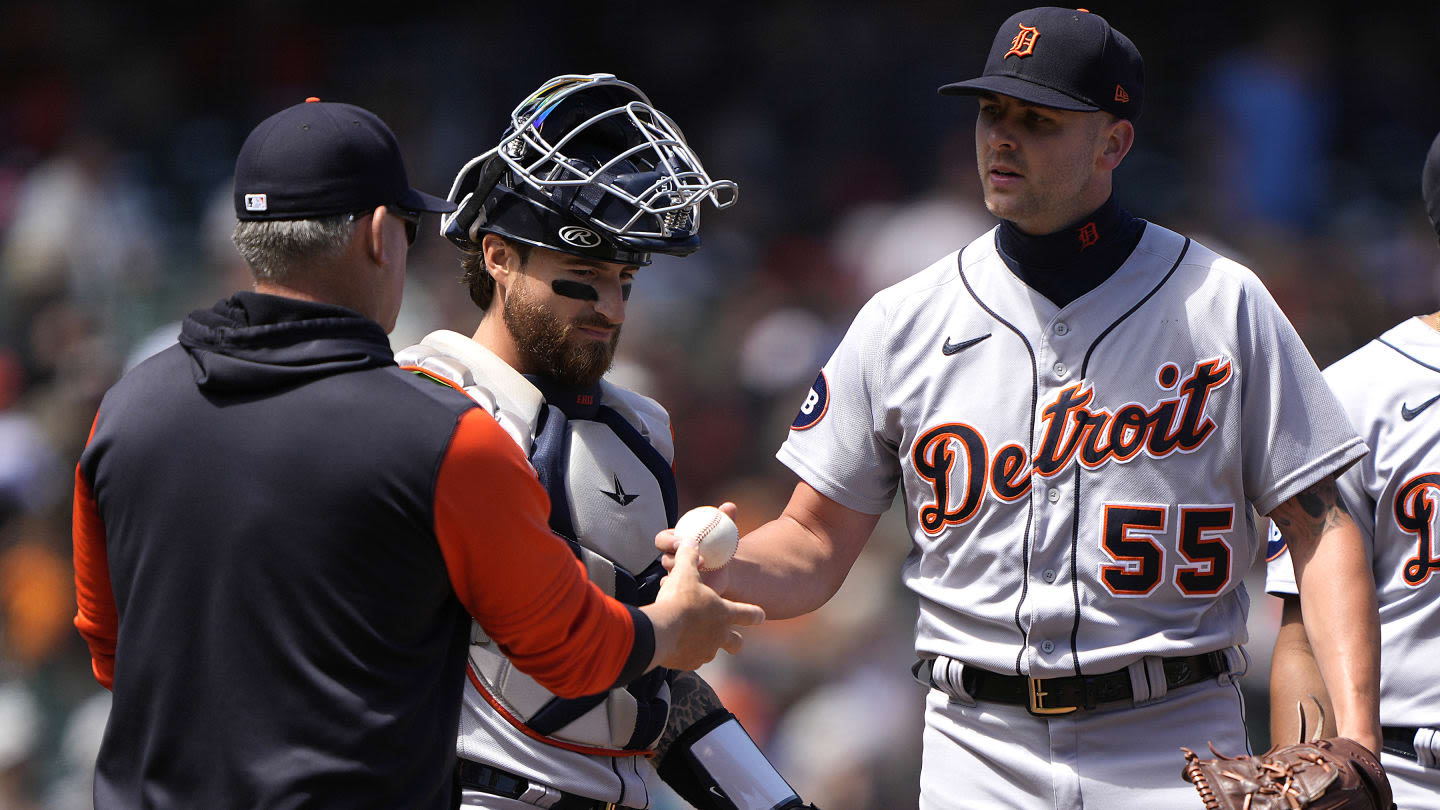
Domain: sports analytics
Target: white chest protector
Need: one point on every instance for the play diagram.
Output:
(606, 465)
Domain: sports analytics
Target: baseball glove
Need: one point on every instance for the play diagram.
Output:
(1319, 774)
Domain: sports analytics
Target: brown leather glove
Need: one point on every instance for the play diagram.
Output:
(1330, 774)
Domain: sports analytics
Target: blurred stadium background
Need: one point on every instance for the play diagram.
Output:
(1287, 135)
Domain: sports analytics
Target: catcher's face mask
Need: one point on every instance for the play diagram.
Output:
(588, 166)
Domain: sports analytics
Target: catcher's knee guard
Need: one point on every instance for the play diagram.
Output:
(714, 765)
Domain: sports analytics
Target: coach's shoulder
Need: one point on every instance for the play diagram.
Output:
(418, 390)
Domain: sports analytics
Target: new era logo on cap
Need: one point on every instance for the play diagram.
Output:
(255, 202)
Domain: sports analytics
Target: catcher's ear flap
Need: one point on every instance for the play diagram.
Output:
(475, 181)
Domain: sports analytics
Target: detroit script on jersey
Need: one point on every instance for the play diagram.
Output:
(1079, 483)
(1072, 429)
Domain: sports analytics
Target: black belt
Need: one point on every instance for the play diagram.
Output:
(504, 784)
(1051, 696)
(1400, 741)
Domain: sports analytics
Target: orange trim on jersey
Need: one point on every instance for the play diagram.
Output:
(535, 735)
(1276, 555)
(517, 578)
(96, 616)
(430, 375)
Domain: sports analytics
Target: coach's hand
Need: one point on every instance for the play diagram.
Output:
(692, 621)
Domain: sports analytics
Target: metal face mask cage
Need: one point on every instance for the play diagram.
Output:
(668, 208)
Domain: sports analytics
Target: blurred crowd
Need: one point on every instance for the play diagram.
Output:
(1290, 138)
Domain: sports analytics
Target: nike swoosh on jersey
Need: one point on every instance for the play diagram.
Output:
(955, 348)
(1408, 413)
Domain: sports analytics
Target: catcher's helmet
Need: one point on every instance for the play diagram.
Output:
(588, 167)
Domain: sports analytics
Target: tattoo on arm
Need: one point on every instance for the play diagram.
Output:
(1311, 513)
(690, 700)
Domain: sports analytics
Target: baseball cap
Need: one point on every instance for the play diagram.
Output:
(1430, 184)
(320, 158)
(1064, 58)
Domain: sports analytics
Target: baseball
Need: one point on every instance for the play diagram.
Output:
(714, 531)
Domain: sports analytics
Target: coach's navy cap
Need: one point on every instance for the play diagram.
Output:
(320, 158)
(1430, 184)
(1064, 58)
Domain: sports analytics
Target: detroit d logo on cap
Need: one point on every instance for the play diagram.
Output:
(1024, 42)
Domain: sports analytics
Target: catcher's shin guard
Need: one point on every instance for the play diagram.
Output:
(714, 765)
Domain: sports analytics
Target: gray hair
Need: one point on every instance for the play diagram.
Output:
(275, 247)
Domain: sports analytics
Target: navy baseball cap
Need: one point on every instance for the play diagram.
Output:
(1430, 184)
(1065, 58)
(322, 158)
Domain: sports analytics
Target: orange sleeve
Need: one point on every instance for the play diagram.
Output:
(96, 619)
(517, 578)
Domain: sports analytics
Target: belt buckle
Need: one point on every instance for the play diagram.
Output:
(1037, 700)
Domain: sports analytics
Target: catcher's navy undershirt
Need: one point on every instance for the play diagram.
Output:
(1064, 265)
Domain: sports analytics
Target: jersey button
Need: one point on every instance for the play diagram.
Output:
(1062, 329)
(1049, 575)
(1059, 369)
(1047, 646)
(1053, 495)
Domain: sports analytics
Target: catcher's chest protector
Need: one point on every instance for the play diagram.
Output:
(605, 464)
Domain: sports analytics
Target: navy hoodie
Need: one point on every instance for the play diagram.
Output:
(279, 539)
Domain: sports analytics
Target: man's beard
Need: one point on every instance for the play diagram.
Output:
(547, 345)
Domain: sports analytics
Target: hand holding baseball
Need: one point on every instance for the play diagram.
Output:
(715, 555)
(692, 622)
(713, 531)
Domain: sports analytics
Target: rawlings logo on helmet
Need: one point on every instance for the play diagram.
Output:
(579, 237)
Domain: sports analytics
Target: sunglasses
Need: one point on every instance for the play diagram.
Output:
(410, 218)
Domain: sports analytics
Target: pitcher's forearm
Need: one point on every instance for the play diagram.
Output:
(1294, 679)
(786, 569)
(1337, 596)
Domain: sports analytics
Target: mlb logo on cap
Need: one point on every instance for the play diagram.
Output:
(319, 159)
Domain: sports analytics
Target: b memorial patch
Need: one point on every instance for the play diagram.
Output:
(817, 401)
(1275, 545)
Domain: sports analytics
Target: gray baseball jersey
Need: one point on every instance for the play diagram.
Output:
(1078, 482)
(1391, 389)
